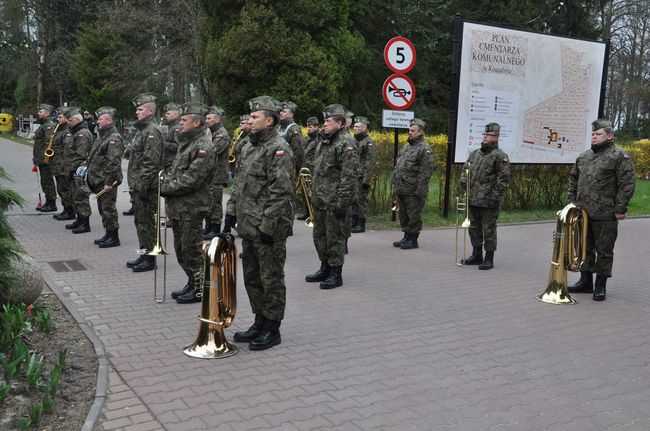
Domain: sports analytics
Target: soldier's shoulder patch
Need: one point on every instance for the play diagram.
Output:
(370, 144)
(68, 134)
(349, 148)
(505, 161)
(428, 151)
(49, 127)
(279, 153)
(80, 134)
(112, 141)
(201, 152)
(151, 137)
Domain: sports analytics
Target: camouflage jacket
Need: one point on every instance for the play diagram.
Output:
(146, 158)
(41, 139)
(489, 176)
(221, 142)
(57, 161)
(310, 150)
(334, 177)
(264, 188)
(105, 159)
(293, 135)
(367, 157)
(413, 169)
(243, 145)
(602, 181)
(170, 136)
(185, 184)
(78, 143)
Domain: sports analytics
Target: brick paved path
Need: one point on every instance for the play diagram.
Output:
(409, 342)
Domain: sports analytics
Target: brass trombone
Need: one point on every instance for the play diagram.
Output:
(231, 154)
(304, 180)
(159, 249)
(462, 205)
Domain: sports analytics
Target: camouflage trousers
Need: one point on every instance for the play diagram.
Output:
(483, 227)
(361, 207)
(144, 217)
(410, 213)
(63, 188)
(107, 209)
(264, 277)
(80, 201)
(188, 242)
(329, 235)
(601, 236)
(216, 204)
(47, 182)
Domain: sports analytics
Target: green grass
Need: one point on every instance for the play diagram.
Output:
(17, 139)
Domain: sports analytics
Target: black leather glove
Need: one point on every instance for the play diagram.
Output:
(229, 222)
(266, 239)
(340, 213)
(365, 186)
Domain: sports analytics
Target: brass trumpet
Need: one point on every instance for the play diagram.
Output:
(231, 154)
(304, 180)
(49, 150)
(462, 205)
(159, 249)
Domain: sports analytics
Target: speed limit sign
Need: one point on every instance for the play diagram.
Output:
(399, 55)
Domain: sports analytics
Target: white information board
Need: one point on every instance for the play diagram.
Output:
(396, 119)
(543, 90)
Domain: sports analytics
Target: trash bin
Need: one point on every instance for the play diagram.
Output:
(6, 123)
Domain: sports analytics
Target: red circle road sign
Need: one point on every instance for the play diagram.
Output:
(399, 55)
(398, 91)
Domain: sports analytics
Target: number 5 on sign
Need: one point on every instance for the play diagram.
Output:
(399, 55)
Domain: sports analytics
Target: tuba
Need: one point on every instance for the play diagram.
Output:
(569, 253)
(49, 150)
(218, 300)
(305, 185)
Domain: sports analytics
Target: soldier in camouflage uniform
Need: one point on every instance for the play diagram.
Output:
(263, 205)
(221, 142)
(184, 189)
(290, 131)
(489, 176)
(105, 174)
(333, 185)
(57, 165)
(41, 141)
(170, 129)
(146, 160)
(242, 145)
(310, 151)
(367, 159)
(413, 171)
(78, 143)
(602, 182)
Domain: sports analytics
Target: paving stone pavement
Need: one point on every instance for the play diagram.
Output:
(409, 342)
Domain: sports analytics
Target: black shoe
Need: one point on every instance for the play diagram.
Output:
(599, 288)
(476, 258)
(66, 214)
(102, 239)
(410, 242)
(290, 231)
(346, 245)
(360, 227)
(50, 206)
(488, 262)
(135, 262)
(148, 263)
(319, 275)
(128, 212)
(268, 337)
(188, 298)
(189, 286)
(74, 224)
(253, 332)
(215, 229)
(83, 227)
(584, 285)
(112, 241)
(399, 243)
(334, 279)
(354, 221)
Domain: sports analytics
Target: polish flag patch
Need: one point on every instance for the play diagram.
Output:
(349, 148)
(279, 153)
(201, 152)
(151, 137)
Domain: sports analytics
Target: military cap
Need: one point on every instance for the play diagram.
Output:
(216, 110)
(601, 123)
(334, 110)
(492, 128)
(418, 122)
(171, 106)
(105, 110)
(46, 107)
(194, 108)
(362, 120)
(72, 111)
(349, 114)
(312, 121)
(143, 98)
(62, 110)
(264, 103)
(289, 105)
(244, 118)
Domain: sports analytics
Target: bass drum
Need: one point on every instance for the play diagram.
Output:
(81, 179)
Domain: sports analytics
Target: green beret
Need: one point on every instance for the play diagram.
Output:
(289, 105)
(105, 110)
(171, 106)
(194, 108)
(492, 128)
(334, 110)
(216, 110)
(143, 98)
(312, 121)
(362, 120)
(62, 110)
(418, 122)
(72, 111)
(244, 118)
(601, 123)
(46, 107)
(264, 103)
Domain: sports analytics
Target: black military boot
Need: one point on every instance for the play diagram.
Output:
(411, 241)
(319, 275)
(50, 206)
(129, 212)
(215, 229)
(399, 243)
(488, 262)
(189, 286)
(584, 285)
(147, 263)
(476, 258)
(135, 262)
(74, 224)
(66, 214)
(251, 333)
(102, 239)
(354, 222)
(190, 297)
(360, 227)
(112, 240)
(335, 279)
(599, 287)
(83, 227)
(268, 337)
